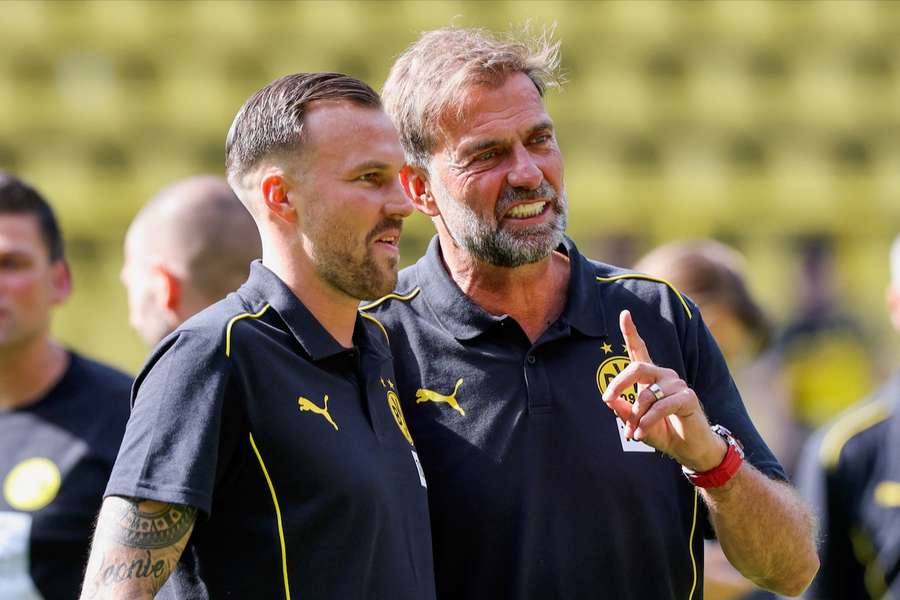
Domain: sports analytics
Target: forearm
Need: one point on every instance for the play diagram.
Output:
(136, 547)
(765, 530)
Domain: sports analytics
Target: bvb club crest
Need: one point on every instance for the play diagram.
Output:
(394, 403)
(608, 370)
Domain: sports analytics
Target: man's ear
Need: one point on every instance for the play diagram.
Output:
(415, 184)
(167, 288)
(61, 281)
(274, 189)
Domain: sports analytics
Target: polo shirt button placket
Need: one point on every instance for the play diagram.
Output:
(537, 384)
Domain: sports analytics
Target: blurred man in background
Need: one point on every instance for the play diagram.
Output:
(188, 247)
(824, 350)
(511, 348)
(62, 415)
(850, 471)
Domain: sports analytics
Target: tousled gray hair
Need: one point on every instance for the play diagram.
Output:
(430, 78)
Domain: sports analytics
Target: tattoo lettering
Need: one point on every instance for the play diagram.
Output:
(140, 568)
(150, 530)
(151, 571)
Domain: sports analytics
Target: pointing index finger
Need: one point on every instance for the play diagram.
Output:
(637, 349)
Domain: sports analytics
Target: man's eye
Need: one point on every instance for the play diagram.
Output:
(485, 156)
(541, 139)
(369, 177)
(10, 263)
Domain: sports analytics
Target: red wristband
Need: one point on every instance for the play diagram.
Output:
(719, 476)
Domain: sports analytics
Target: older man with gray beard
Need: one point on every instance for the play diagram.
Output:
(562, 461)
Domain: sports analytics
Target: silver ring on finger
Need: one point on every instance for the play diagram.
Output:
(656, 391)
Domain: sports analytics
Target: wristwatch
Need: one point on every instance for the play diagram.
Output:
(719, 476)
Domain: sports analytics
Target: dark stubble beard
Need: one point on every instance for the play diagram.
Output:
(339, 263)
(491, 244)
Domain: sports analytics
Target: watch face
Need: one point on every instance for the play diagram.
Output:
(721, 430)
(729, 438)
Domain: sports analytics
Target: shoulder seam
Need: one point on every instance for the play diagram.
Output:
(392, 296)
(684, 303)
(237, 318)
(846, 428)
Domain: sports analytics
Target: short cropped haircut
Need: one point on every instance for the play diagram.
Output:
(271, 121)
(431, 77)
(19, 198)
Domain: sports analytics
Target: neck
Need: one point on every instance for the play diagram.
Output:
(333, 309)
(28, 372)
(534, 295)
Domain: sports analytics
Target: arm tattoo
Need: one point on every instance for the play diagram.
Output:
(152, 529)
(145, 567)
(137, 546)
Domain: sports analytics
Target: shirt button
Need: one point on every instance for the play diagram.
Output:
(531, 359)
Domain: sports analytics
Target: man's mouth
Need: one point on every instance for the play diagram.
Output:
(387, 233)
(526, 211)
(390, 240)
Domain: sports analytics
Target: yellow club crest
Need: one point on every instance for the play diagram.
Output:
(394, 404)
(608, 370)
(32, 484)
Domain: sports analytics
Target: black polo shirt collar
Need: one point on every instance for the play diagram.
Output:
(465, 320)
(584, 306)
(265, 287)
(462, 318)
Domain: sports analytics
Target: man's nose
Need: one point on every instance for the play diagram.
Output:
(397, 203)
(525, 172)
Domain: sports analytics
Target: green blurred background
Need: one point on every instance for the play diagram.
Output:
(759, 123)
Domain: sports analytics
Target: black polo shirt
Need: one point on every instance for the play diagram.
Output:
(293, 447)
(850, 472)
(55, 459)
(533, 491)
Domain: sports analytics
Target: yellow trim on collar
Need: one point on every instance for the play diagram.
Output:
(684, 303)
(392, 296)
(377, 322)
(234, 320)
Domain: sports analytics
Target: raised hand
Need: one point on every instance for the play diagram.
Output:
(671, 419)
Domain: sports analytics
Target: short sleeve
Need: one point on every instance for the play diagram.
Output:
(709, 377)
(174, 438)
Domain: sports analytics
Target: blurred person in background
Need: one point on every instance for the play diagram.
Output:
(823, 350)
(850, 471)
(712, 275)
(555, 448)
(266, 450)
(62, 415)
(189, 246)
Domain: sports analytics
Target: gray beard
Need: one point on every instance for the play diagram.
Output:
(489, 243)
